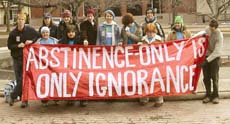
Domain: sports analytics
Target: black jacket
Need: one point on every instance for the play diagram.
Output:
(66, 40)
(89, 32)
(53, 30)
(62, 29)
(16, 37)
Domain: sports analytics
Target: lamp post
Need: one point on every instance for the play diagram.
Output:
(6, 6)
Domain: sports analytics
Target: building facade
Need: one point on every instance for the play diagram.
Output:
(165, 9)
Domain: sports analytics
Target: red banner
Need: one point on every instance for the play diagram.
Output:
(108, 72)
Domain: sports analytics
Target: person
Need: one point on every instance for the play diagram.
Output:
(47, 21)
(151, 18)
(70, 36)
(131, 32)
(211, 64)
(151, 37)
(46, 39)
(67, 20)
(18, 38)
(88, 28)
(70, 39)
(109, 31)
(179, 30)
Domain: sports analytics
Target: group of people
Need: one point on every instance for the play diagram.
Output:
(110, 33)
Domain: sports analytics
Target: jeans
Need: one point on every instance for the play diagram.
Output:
(18, 65)
(211, 75)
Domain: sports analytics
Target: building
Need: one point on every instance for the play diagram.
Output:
(13, 11)
(192, 10)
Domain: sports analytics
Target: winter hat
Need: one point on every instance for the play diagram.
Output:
(45, 29)
(66, 13)
(90, 11)
(179, 19)
(46, 15)
(149, 10)
(110, 12)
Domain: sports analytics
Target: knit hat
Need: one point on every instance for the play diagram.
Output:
(90, 11)
(179, 19)
(46, 15)
(66, 13)
(45, 29)
(149, 10)
(110, 12)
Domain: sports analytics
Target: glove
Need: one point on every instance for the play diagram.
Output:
(203, 63)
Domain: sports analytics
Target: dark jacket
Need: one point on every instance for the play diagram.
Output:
(89, 32)
(28, 33)
(159, 28)
(53, 29)
(62, 29)
(66, 40)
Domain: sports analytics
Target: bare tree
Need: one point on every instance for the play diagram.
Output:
(101, 5)
(6, 5)
(72, 5)
(218, 7)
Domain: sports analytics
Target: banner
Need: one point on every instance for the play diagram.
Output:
(62, 72)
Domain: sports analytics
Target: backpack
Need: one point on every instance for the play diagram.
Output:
(8, 89)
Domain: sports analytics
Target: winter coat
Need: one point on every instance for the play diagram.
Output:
(136, 36)
(62, 29)
(53, 29)
(16, 37)
(172, 35)
(89, 32)
(101, 34)
(159, 28)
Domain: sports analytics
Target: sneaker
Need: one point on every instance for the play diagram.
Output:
(206, 100)
(215, 100)
(143, 101)
(83, 103)
(24, 104)
(158, 105)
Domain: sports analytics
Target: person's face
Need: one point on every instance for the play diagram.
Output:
(66, 19)
(21, 21)
(71, 34)
(212, 29)
(45, 35)
(149, 15)
(90, 17)
(150, 33)
(108, 18)
(178, 26)
(47, 21)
